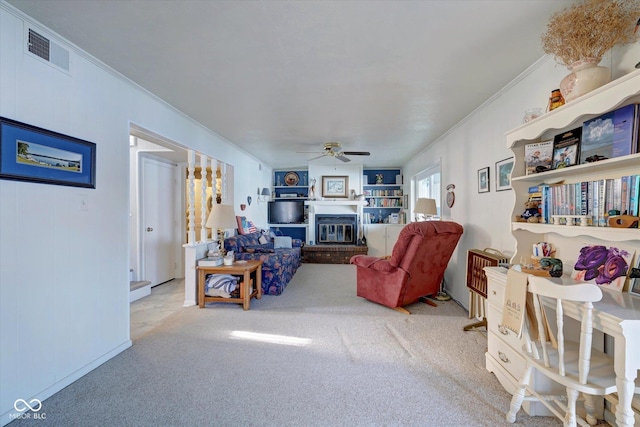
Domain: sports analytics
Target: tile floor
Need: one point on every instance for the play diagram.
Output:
(147, 312)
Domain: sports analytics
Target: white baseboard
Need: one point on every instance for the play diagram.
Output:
(9, 415)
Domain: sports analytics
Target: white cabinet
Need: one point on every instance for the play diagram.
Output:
(381, 238)
(504, 349)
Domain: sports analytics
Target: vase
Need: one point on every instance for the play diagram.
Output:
(586, 75)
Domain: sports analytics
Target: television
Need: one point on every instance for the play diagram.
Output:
(286, 212)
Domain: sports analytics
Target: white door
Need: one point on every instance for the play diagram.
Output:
(159, 200)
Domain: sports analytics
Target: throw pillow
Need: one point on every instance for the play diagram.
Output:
(251, 227)
(282, 242)
(263, 240)
(245, 226)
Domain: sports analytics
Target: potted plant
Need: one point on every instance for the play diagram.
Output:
(581, 34)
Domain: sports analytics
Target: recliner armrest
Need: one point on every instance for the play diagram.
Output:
(372, 262)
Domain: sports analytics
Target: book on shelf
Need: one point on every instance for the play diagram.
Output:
(566, 148)
(595, 199)
(634, 195)
(613, 134)
(538, 156)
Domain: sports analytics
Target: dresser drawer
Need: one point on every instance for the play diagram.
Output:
(495, 294)
(505, 355)
(493, 325)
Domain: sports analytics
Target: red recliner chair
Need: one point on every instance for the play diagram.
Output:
(416, 266)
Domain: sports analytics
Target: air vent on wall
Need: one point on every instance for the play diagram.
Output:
(48, 50)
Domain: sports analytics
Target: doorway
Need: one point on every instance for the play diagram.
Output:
(158, 201)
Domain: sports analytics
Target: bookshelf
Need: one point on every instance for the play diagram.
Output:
(620, 92)
(503, 358)
(384, 198)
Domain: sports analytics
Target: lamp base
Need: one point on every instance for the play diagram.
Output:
(442, 296)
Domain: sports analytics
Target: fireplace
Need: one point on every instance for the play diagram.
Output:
(336, 229)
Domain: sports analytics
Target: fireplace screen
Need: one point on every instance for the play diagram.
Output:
(336, 229)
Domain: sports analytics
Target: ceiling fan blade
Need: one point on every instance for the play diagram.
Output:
(356, 153)
(341, 157)
(322, 155)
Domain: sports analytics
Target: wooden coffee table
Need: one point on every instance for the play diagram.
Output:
(246, 269)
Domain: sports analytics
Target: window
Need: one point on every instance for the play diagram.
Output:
(427, 184)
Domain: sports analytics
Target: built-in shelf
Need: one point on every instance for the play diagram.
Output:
(335, 203)
(602, 233)
(619, 92)
(556, 175)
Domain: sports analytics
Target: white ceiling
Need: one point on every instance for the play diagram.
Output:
(277, 77)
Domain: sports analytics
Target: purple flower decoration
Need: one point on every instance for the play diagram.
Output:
(614, 267)
(604, 265)
(591, 257)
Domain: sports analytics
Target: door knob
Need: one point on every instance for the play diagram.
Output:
(149, 229)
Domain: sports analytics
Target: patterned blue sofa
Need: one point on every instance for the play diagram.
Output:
(278, 265)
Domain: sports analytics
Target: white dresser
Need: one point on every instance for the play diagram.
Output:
(504, 356)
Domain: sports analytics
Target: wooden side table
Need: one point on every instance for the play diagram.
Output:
(239, 268)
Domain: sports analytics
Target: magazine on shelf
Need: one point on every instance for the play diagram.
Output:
(566, 148)
(538, 156)
(609, 135)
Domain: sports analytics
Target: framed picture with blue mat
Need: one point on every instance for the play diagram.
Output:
(30, 153)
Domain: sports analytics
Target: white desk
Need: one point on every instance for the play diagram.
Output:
(617, 315)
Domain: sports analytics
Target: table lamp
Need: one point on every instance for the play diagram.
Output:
(426, 207)
(221, 217)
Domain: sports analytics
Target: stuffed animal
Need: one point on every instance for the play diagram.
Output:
(530, 213)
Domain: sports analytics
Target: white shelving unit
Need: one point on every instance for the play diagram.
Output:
(383, 199)
(503, 357)
(620, 92)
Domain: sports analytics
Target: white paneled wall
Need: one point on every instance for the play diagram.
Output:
(64, 271)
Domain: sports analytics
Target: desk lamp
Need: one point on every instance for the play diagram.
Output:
(221, 217)
(426, 207)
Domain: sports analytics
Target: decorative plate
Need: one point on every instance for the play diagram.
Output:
(291, 178)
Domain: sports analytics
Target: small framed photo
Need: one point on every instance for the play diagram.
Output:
(503, 174)
(29, 153)
(335, 186)
(483, 180)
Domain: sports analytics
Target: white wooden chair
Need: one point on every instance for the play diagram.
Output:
(574, 365)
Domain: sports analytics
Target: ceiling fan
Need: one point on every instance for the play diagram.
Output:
(334, 149)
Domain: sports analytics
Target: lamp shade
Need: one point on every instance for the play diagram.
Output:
(265, 192)
(426, 207)
(221, 216)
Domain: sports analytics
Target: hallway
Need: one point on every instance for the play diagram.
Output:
(147, 312)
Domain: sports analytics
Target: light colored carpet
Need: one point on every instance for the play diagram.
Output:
(363, 365)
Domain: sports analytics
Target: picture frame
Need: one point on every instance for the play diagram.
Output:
(503, 174)
(335, 186)
(483, 180)
(634, 283)
(29, 153)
